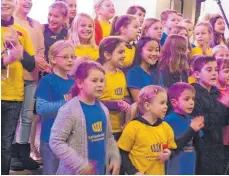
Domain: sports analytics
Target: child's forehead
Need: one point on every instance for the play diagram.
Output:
(172, 15)
(210, 64)
(187, 92)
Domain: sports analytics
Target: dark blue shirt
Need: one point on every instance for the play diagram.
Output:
(137, 78)
(96, 132)
(50, 38)
(53, 89)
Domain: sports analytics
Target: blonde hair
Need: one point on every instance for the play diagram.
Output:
(74, 35)
(147, 94)
(165, 14)
(217, 48)
(147, 24)
(208, 26)
(206, 17)
(57, 47)
(186, 21)
(62, 6)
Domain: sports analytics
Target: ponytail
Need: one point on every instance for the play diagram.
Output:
(75, 90)
(113, 29)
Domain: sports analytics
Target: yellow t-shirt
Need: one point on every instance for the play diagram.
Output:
(88, 51)
(130, 53)
(106, 28)
(144, 142)
(198, 51)
(13, 86)
(115, 89)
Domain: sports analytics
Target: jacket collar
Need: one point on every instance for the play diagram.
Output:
(7, 23)
(142, 120)
(198, 87)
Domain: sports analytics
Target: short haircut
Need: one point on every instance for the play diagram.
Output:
(165, 14)
(200, 61)
(62, 6)
(132, 10)
(176, 89)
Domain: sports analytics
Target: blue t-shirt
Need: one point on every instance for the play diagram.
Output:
(182, 163)
(163, 38)
(52, 88)
(96, 131)
(137, 78)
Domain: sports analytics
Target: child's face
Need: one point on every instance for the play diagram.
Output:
(158, 107)
(183, 33)
(173, 20)
(55, 18)
(140, 16)
(118, 56)
(224, 77)
(150, 53)
(85, 28)
(72, 8)
(185, 103)
(222, 53)
(93, 85)
(25, 6)
(64, 59)
(106, 9)
(155, 31)
(202, 35)
(219, 26)
(132, 30)
(189, 27)
(208, 75)
(7, 8)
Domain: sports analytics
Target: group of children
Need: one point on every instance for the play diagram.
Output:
(114, 95)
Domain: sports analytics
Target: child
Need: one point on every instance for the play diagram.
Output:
(82, 128)
(180, 16)
(223, 86)
(17, 54)
(218, 25)
(112, 55)
(83, 36)
(72, 11)
(54, 30)
(105, 11)
(209, 148)
(182, 96)
(137, 11)
(153, 28)
(203, 35)
(189, 26)
(169, 19)
(127, 27)
(220, 51)
(28, 122)
(144, 72)
(146, 140)
(51, 94)
(173, 63)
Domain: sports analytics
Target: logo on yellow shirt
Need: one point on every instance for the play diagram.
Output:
(118, 91)
(156, 147)
(97, 127)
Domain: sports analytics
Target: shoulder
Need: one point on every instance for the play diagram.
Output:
(135, 70)
(166, 125)
(20, 30)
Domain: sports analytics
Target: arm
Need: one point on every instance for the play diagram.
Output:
(127, 164)
(47, 108)
(28, 61)
(134, 93)
(62, 129)
(111, 105)
(182, 140)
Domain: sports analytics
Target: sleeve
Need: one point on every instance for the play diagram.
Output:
(60, 132)
(127, 139)
(28, 45)
(43, 89)
(170, 136)
(41, 44)
(2, 63)
(134, 79)
(127, 164)
(111, 105)
(28, 61)
(46, 108)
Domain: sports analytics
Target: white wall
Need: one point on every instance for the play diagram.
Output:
(210, 6)
(39, 10)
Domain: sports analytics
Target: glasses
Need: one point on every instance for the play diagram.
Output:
(67, 57)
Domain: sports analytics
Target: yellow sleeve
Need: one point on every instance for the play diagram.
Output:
(170, 136)
(127, 139)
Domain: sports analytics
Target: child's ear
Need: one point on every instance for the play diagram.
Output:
(174, 102)
(123, 30)
(79, 83)
(107, 55)
(163, 23)
(196, 74)
(146, 106)
(52, 60)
